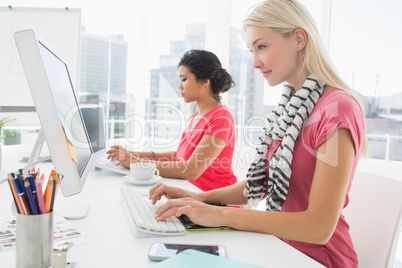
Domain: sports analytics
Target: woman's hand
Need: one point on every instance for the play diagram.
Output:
(160, 189)
(122, 155)
(198, 212)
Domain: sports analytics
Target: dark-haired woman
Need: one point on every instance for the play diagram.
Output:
(204, 155)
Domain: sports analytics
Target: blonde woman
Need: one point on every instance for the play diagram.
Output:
(305, 164)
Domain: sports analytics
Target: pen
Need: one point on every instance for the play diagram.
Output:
(56, 185)
(31, 198)
(39, 194)
(54, 191)
(21, 196)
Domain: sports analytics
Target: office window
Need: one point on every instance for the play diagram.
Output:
(129, 53)
(365, 46)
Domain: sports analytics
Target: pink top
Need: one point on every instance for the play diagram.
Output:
(336, 109)
(217, 122)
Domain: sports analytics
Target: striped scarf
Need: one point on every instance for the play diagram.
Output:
(284, 123)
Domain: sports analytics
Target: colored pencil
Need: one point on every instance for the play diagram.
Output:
(49, 192)
(22, 197)
(39, 194)
(15, 195)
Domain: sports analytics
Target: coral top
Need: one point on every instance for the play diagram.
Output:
(217, 122)
(336, 109)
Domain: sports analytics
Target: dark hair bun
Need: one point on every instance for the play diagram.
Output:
(221, 81)
(206, 65)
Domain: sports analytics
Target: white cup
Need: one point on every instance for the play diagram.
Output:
(143, 171)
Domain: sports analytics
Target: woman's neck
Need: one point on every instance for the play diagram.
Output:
(297, 81)
(206, 106)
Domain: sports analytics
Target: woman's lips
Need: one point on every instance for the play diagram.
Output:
(266, 73)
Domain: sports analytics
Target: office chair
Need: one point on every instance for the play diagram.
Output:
(374, 215)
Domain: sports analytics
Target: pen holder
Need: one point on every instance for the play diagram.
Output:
(34, 240)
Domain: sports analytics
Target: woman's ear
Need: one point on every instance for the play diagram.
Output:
(206, 82)
(301, 39)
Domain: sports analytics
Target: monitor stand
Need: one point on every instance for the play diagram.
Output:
(72, 207)
(36, 150)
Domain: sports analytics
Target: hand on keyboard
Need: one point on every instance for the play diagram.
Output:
(141, 213)
(162, 190)
(198, 212)
(122, 155)
(104, 160)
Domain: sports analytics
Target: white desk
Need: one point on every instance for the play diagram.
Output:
(112, 244)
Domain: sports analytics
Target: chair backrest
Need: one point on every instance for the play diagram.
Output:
(374, 215)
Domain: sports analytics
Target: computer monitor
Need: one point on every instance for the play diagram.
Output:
(94, 119)
(58, 110)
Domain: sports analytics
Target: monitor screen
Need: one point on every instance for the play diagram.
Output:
(67, 106)
(94, 120)
(59, 114)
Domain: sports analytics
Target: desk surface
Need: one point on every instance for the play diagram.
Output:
(111, 242)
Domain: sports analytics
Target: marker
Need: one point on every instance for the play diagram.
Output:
(31, 179)
(31, 198)
(21, 179)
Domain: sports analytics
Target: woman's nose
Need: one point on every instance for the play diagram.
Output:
(256, 62)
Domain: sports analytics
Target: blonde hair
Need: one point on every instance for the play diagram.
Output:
(286, 16)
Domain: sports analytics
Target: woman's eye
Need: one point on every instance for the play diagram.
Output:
(183, 79)
(261, 47)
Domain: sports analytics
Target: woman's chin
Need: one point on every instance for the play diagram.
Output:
(273, 83)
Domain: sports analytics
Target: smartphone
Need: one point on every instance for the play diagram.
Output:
(162, 251)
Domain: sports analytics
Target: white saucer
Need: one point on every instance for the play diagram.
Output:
(132, 180)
